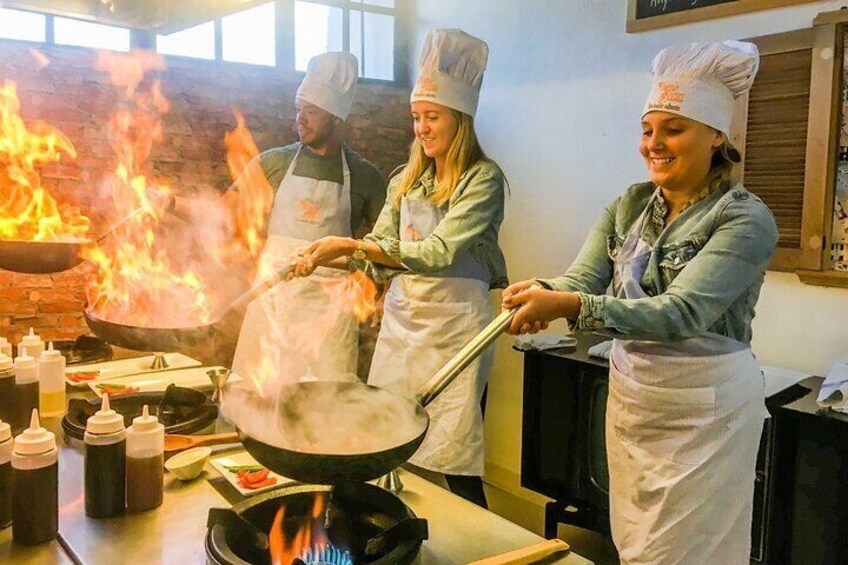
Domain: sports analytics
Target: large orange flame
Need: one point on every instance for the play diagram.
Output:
(309, 535)
(27, 210)
(137, 281)
(255, 193)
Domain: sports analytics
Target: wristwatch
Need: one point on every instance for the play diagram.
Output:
(359, 252)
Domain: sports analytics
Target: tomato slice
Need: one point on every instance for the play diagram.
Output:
(256, 477)
(261, 484)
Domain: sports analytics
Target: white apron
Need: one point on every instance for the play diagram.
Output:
(683, 426)
(427, 319)
(295, 329)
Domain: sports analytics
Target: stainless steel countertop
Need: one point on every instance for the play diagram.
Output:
(174, 533)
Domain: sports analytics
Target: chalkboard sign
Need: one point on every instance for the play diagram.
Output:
(650, 8)
(651, 14)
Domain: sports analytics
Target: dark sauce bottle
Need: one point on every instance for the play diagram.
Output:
(26, 391)
(105, 463)
(35, 485)
(7, 388)
(5, 474)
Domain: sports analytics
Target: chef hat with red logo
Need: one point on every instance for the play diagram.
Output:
(450, 70)
(330, 82)
(701, 81)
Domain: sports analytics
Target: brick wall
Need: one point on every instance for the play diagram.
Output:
(72, 96)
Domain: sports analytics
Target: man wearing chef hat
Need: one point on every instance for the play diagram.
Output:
(686, 255)
(321, 187)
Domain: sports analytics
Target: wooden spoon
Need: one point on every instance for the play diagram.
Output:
(525, 555)
(178, 442)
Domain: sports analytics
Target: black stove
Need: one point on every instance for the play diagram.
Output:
(348, 523)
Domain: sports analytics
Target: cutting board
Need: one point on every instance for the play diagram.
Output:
(123, 367)
(191, 377)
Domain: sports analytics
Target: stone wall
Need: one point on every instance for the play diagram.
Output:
(71, 95)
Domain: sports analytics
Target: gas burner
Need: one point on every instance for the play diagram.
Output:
(83, 350)
(326, 555)
(359, 523)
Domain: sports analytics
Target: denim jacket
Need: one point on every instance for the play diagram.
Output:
(471, 222)
(704, 273)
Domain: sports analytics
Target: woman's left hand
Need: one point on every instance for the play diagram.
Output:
(320, 252)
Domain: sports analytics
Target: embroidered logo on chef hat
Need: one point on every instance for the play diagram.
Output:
(426, 87)
(451, 70)
(701, 81)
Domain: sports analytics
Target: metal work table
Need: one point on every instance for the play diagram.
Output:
(174, 533)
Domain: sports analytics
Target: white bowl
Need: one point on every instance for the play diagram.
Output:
(188, 465)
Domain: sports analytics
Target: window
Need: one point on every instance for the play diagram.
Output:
(248, 36)
(317, 29)
(15, 24)
(365, 28)
(87, 34)
(789, 140)
(197, 42)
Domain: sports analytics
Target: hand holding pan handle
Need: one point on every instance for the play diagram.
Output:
(473, 349)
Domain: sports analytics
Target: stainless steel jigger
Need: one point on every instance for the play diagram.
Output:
(219, 379)
(391, 482)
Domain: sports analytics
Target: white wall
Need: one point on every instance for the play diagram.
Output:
(560, 112)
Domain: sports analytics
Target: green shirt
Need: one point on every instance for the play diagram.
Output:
(704, 273)
(367, 183)
(471, 222)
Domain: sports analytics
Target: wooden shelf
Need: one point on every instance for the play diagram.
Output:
(838, 279)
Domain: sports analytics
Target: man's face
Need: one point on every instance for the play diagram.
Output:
(314, 125)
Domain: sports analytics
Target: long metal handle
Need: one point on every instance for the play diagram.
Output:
(473, 349)
(255, 291)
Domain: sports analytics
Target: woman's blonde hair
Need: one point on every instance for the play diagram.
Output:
(463, 152)
(721, 167)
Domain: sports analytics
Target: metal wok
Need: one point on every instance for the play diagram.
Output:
(40, 257)
(142, 338)
(387, 454)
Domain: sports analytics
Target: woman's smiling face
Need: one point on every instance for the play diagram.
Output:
(678, 151)
(435, 127)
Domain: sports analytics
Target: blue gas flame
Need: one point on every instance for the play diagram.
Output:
(326, 555)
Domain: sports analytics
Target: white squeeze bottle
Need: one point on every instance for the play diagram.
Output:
(5, 347)
(33, 344)
(145, 462)
(51, 376)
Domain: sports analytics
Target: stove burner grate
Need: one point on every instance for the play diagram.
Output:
(326, 555)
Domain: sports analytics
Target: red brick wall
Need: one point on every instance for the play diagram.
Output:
(72, 96)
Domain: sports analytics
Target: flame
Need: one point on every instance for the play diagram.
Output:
(355, 293)
(27, 210)
(138, 278)
(309, 535)
(255, 195)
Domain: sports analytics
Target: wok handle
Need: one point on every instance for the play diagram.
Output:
(471, 351)
(525, 555)
(255, 291)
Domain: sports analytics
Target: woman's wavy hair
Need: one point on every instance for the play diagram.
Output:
(724, 158)
(463, 152)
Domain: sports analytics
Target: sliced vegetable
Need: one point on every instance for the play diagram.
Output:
(261, 484)
(244, 468)
(116, 389)
(83, 376)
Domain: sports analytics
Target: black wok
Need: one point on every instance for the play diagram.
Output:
(282, 451)
(40, 257)
(141, 338)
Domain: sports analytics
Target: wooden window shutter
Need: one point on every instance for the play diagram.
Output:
(786, 139)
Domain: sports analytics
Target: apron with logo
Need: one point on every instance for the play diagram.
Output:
(296, 329)
(426, 320)
(683, 426)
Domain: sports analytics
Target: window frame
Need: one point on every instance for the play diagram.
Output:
(284, 30)
(811, 260)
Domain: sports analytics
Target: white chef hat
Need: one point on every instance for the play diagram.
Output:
(700, 81)
(330, 82)
(450, 70)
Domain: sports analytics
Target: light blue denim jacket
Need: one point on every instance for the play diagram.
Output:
(704, 273)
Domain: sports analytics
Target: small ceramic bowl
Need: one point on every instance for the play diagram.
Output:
(188, 465)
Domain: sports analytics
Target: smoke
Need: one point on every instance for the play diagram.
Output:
(326, 417)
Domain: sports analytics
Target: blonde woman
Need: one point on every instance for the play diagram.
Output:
(436, 240)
